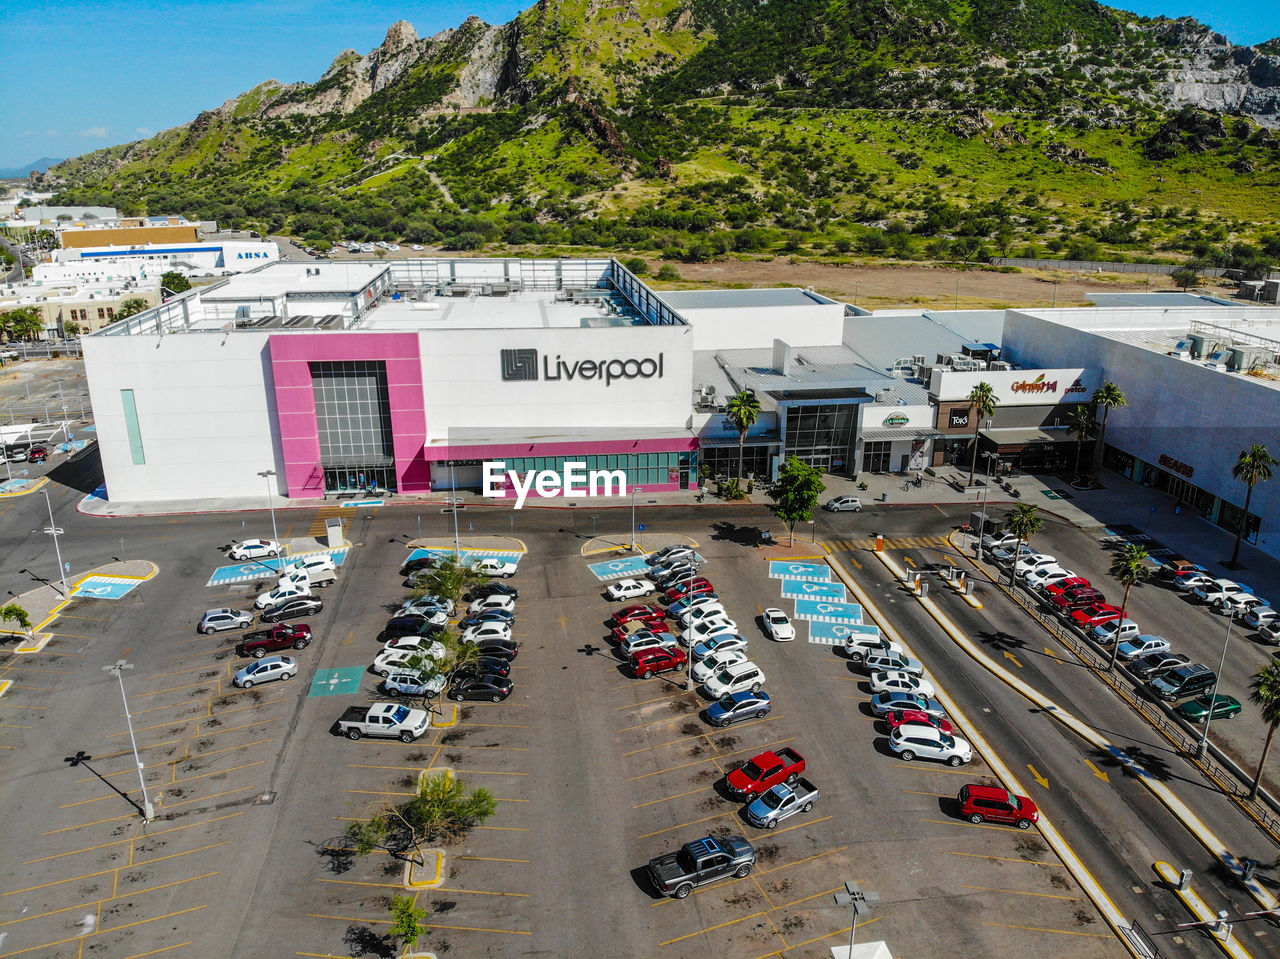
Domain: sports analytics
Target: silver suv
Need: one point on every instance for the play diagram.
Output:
(216, 620)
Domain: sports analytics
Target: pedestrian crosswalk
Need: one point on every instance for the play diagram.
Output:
(318, 527)
(890, 542)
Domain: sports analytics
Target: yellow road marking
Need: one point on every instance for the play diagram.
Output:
(506, 828)
(492, 859)
(217, 772)
(1098, 772)
(156, 952)
(647, 702)
(976, 855)
(1035, 774)
(1019, 892)
(701, 932)
(654, 802)
(387, 922)
(971, 825)
(719, 815)
(1063, 932)
(838, 932)
(186, 802)
(1012, 658)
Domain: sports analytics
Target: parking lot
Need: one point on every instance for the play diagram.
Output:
(594, 773)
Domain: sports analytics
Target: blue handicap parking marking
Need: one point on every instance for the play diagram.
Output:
(336, 682)
(351, 503)
(823, 611)
(784, 569)
(104, 587)
(803, 589)
(834, 634)
(269, 566)
(468, 557)
(619, 568)
(13, 485)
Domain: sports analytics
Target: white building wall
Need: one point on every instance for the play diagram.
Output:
(1180, 408)
(462, 376)
(740, 329)
(205, 410)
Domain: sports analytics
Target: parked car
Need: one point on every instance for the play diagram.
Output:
(718, 644)
(738, 706)
(292, 609)
(1013, 552)
(681, 608)
(1218, 590)
(884, 703)
(1216, 706)
(1259, 616)
(399, 626)
(488, 616)
(706, 629)
(998, 541)
(694, 587)
(1047, 576)
(762, 772)
(384, 720)
(266, 670)
(498, 601)
(497, 568)
(38, 454)
(777, 625)
(216, 620)
(1269, 632)
(506, 649)
(910, 741)
(315, 563)
(1113, 630)
(1173, 568)
(1154, 663)
(709, 666)
(980, 804)
(874, 662)
(666, 576)
(426, 604)
(414, 682)
(901, 717)
(734, 679)
(482, 590)
(780, 802)
(426, 647)
(1192, 581)
(620, 634)
(1065, 585)
(700, 863)
(640, 612)
(1029, 564)
(493, 688)
(858, 646)
(254, 549)
(628, 589)
(1095, 614)
(660, 659)
(644, 639)
(259, 642)
(1068, 602)
(677, 551)
(1239, 605)
(894, 680)
(840, 504)
(1182, 681)
(484, 631)
(390, 661)
(278, 595)
(702, 611)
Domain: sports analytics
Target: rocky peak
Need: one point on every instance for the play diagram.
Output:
(341, 60)
(400, 36)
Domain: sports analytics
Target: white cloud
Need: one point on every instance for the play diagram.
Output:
(97, 132)
(145, 131)
(28, 133)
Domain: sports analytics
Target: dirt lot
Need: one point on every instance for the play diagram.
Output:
(885, 287)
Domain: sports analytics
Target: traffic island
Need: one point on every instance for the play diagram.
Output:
(438, 716)
(427, 875)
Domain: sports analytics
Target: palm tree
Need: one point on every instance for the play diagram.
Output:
(1266, 696)
(1082, 426)
(1128, 569)
(1253, 467)
(1107, 397)
(982, 403)
(1024, 522)
(743, 409)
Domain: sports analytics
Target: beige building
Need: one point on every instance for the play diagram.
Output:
(89, 305)
(131, 232)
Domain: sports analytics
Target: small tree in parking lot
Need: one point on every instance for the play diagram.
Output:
(447, 579)
(13, 613)
(1024, 522)
(1131, 567)
(408, 920)
(796, 493)
(441, 809)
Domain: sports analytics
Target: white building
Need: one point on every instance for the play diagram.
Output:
(190, 259)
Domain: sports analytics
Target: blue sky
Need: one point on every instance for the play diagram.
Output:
(84, 75)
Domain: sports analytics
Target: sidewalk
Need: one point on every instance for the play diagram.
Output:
(44, 602)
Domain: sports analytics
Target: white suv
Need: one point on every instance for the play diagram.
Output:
(735, 679)
(911, 740)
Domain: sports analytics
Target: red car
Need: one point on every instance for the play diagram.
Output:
(627, 630)
(663, 659)
(640, 613)
(693, 587)
(1095, 615)
(1077, 599)
(898, 717)
(1063, 585)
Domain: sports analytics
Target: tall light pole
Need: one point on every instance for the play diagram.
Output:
(634, 490)
(457, 543)
(1213, 694)
(982, 526)
(148, 811)
(860, 901)
(688, 661)
(275, 537)
(53, 531)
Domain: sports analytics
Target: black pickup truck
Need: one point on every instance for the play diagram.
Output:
(701, 862)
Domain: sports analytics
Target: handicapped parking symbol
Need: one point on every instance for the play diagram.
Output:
(840, 630)
(828, 608)
(619, 564)
(798, 569)
(813, 587)
(95, 590)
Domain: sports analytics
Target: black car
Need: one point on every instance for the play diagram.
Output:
(1153, 664)
(491, 589)
(484, 666)
(495, 688)
(498, 648)
(415, 565)
(487, 616)
(292, 609)
(408, 626)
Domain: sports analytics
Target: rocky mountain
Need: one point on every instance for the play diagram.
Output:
(582, 120)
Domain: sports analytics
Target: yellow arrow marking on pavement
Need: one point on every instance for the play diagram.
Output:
(1050, 653)
(1038, 778)
(1014, 659)
(909, 561)
(1098, 772)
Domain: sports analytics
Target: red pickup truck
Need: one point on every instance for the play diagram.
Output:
(765, 771)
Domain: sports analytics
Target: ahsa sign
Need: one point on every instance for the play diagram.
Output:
(523, 365)
(1018, 387)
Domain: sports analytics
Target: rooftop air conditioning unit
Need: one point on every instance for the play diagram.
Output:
(1182, 350)
(1220, 360)
(1001, 365)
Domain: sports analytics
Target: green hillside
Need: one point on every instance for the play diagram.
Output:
(694, 129)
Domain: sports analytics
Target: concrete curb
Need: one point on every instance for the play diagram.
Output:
(1198, 908)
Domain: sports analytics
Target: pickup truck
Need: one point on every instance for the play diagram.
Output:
(765, 771)
(701, 862)
(281, 636)
(384, 720)
(780, 802)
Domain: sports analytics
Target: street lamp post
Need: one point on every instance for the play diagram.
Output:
(1213, 695)
(453, 491)
(982, 526)
(634, 490)
(860, 901)
(275, 537)
(148, 811)
(53, 531)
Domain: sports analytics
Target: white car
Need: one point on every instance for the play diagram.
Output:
(696, 615)
(254, 549)
(704, 670)
(897, 681)
(1047, 576)
(918, 741)
(1106, 633)
(266, 670)
(417, 247)
(778, 626)
(859, 645)
(840, 504)
(707, 629)
(1260, 616)
(1029, 564)
(1189, 584)
(720, 643)
(320, 563)
(499, 568)
(628, 589)
(735, 679)
(390, 661)
(1008, 553)
(278, 595)
(426, 604)
(644, 639)
(416, 644)
(1142, 646)
(482, 631)
(498, 601)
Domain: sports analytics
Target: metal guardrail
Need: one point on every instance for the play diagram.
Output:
(1215, 765)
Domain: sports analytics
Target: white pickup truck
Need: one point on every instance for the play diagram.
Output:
(385, 721)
